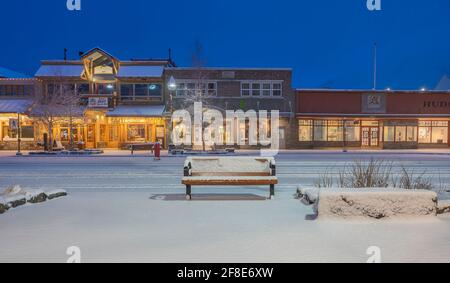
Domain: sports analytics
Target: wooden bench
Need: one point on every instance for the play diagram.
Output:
(142, 146)
(229, 171)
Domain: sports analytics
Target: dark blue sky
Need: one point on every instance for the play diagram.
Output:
(328, 43)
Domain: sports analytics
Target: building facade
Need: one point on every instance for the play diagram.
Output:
(100, 101)
(373, 119)
(226, 89)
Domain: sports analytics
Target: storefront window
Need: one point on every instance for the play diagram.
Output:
(389, 134)
(64, 134)
(411, 132)
(440, 135)
(435, 132)
(320, 130)
(400, 134)
(136, 133)
(102, 133)
(305, 130)
(352, 131)
(335, 131)
(113, 133)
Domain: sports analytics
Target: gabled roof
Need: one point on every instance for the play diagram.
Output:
(9, 74)
(97, 49)
(60, 71)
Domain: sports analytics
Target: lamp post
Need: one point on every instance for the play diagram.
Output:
(172, 86)
(19, 153)
(345, 136)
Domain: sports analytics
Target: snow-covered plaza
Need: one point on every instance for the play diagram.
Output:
(116, 212)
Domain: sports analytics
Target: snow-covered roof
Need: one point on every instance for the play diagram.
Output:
(6, 73)
(140, 72)
(444, 83)
(137, 111)
(59, 71)
(15, 105)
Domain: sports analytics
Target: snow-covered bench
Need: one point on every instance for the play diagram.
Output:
(229, 171)
(376, 203)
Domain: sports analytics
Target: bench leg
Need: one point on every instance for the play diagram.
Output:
(272, 191)
(188, 192)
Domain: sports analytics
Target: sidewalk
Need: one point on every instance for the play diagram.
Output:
(164, 154)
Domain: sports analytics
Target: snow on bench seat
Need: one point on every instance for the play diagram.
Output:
(376, 203)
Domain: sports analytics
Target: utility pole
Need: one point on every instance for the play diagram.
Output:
(375, 66)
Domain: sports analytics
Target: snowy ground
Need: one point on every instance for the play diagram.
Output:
(110, 216)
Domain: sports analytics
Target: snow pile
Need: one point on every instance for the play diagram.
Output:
(15, 196)
(370, 203)
(35, 196)
(443, 207)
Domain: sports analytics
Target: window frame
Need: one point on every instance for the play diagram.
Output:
(251, 90)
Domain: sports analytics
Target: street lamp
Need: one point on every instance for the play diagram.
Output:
(172, 86)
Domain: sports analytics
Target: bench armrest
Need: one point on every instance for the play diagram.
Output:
(273, 169)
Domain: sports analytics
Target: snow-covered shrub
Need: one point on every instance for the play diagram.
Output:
(372, 174)
(410, 181)
(13, 191)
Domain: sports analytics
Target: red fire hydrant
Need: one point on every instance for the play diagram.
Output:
(157, 151)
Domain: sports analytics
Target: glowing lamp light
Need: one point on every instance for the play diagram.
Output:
(110, 86)
(172, 85)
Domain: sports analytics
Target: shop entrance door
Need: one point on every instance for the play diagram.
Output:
(90, 136)
(370, 136)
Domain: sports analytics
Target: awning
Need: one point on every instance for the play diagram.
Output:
(137, 111)
(11, 106)
(60, 71)
(140, 72)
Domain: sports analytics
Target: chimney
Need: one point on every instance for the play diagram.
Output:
(65, 54)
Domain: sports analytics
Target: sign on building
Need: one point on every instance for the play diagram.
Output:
(374, 103)
(13, 124)
(98, 102)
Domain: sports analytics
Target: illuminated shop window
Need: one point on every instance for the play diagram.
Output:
(352, 131)
(434, 132)
(305, 130)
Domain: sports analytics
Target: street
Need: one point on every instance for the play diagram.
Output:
(110, 215)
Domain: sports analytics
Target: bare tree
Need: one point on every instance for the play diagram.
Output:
(201, 92)
(57, 103)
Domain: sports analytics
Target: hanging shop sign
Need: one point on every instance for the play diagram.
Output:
(98, 102)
